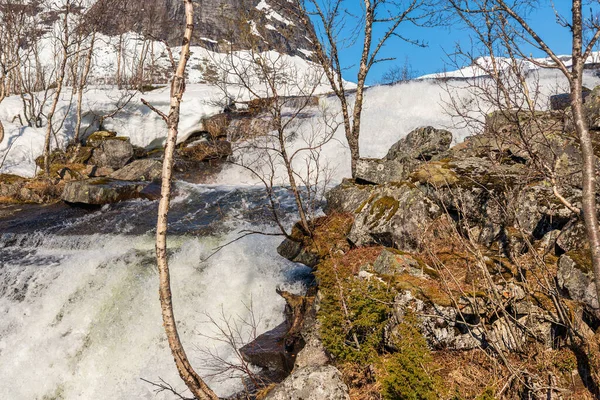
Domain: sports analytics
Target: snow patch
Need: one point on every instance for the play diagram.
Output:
(272, 14)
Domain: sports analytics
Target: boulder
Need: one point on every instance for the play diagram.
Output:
(111, 152)
(394, 262)
(445, 327)
(311, 383)
(562, 101)
(98, 191)
(573, 237)
(93, 171)
(394, 215)
(207, 150)
(421, 144)
(378, 172)
(296, 251)
(346, 197)
(139, 170)
(269, 351)
(576, 278)
(591, 108)
(97, 137)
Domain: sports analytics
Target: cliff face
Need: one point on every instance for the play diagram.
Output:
(220, 25)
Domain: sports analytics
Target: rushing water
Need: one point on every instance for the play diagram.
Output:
(79, 310)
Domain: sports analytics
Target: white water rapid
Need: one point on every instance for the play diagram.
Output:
(79, 310)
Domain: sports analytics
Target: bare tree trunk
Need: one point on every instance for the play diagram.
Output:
(119, 56)
(196, 385)
(353, 135)
(588, 200)
(81, 85)
(59, 85)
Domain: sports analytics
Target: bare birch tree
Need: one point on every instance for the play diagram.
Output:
(65, 43)
(284, 98)
(380, 21)
(193, 381)
(520, 36)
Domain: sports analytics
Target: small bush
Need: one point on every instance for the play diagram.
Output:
(405, 375)
(353, 313)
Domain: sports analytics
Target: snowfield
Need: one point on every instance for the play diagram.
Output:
(390, 112)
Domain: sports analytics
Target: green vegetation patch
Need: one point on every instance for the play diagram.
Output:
(353, 313)
(406, 373)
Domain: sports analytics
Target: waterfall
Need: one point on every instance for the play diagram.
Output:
(80, 317)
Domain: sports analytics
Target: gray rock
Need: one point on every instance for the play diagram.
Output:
(576, 278)
(112, 152)
(269, 351)
(394, 216)
(376, 171)
(573, 237)
(446, 328)
(313, 354)
(438, 324)
(421, 144)
(139, 170)
(311, 383)
(296, 252)
(390, 262)
(97, 191)
(346, 197)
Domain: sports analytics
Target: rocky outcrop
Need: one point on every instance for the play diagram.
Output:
(139, 170)
(110, 151)
(394, 215)
(98, 191)
(220, 25)
(575, 276)
(404, 156)
(311, 383)
(421, 144)
(376, 171)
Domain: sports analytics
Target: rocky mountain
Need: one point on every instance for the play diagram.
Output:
(220, 25)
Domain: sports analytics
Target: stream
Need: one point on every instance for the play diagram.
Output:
(79, 310)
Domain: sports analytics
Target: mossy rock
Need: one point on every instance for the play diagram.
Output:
(55, 156)
(435, 174)
(101, 135)
(582, 259)
(11, 179)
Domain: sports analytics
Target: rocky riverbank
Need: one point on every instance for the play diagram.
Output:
(458, 272)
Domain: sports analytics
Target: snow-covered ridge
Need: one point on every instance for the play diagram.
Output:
(483, 65)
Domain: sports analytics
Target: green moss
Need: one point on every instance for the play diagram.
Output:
(11, 179)
(100, 181)
(582, 259)
(434, 173)
(364, 203)
(386, 206)
(406, 373)
(101, 135)
(489, 393)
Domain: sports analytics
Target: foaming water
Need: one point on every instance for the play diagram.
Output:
(79, 304)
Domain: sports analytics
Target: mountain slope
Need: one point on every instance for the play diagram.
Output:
(220, 25)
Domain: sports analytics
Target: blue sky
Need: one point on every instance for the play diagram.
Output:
(442, 40)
